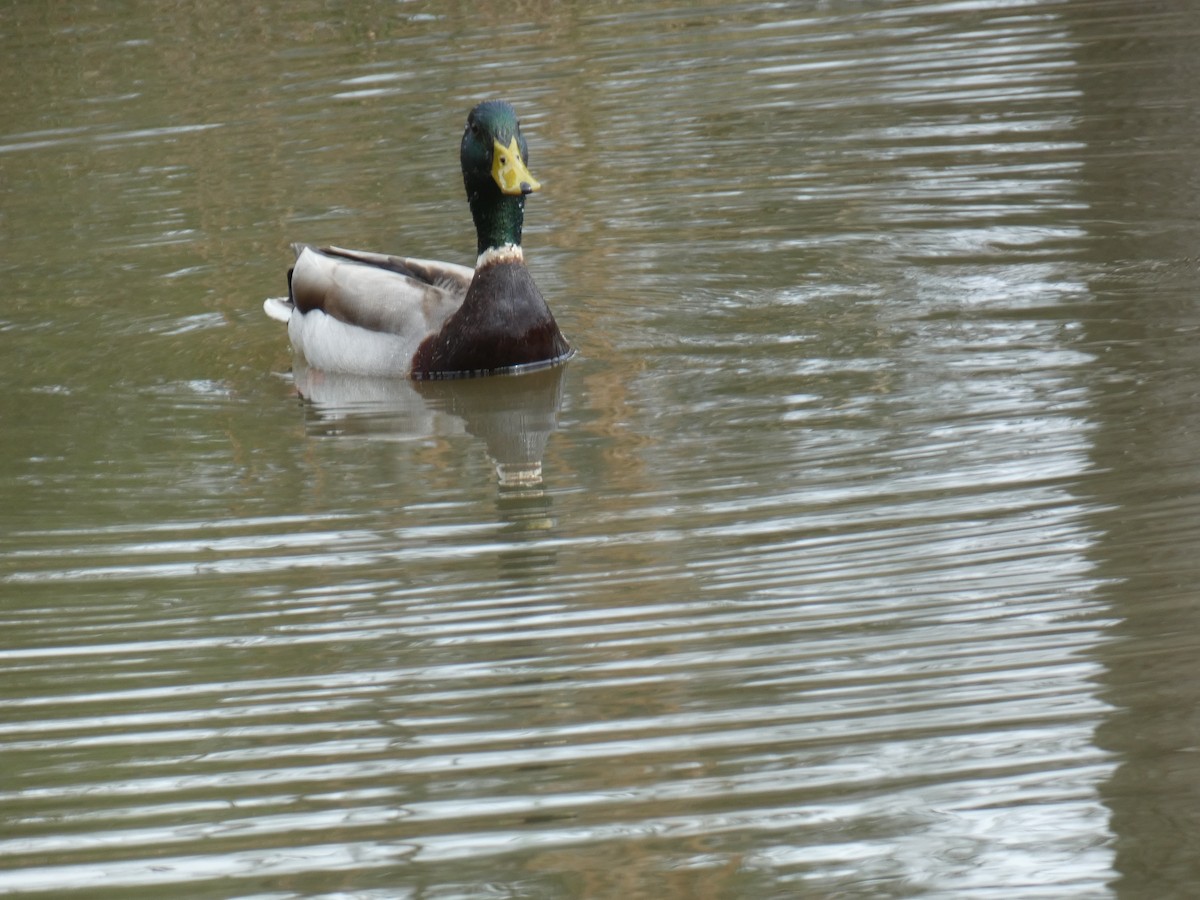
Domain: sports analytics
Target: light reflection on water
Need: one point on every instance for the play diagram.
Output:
(823, 570)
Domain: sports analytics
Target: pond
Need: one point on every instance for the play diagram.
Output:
(855, 554)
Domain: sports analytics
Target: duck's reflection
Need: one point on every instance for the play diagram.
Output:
(514, 415)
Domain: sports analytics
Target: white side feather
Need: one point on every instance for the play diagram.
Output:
(329, 344)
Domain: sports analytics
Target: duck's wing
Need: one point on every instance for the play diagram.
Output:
(449, 276)
(376, 291)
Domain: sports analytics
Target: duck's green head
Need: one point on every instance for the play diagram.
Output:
(495, 161)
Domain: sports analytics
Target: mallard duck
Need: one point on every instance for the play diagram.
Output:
(375, 314)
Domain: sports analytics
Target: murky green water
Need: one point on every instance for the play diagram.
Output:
(863, 557)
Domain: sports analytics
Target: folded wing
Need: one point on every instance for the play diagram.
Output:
(378, 292)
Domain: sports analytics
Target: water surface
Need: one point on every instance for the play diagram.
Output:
(855, 554)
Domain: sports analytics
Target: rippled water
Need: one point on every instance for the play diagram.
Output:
(854, 556)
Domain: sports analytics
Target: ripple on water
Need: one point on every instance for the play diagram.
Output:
(807, 598)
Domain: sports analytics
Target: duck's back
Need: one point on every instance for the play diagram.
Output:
(368, 313)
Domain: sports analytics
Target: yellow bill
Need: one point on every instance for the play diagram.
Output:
(509, 170)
